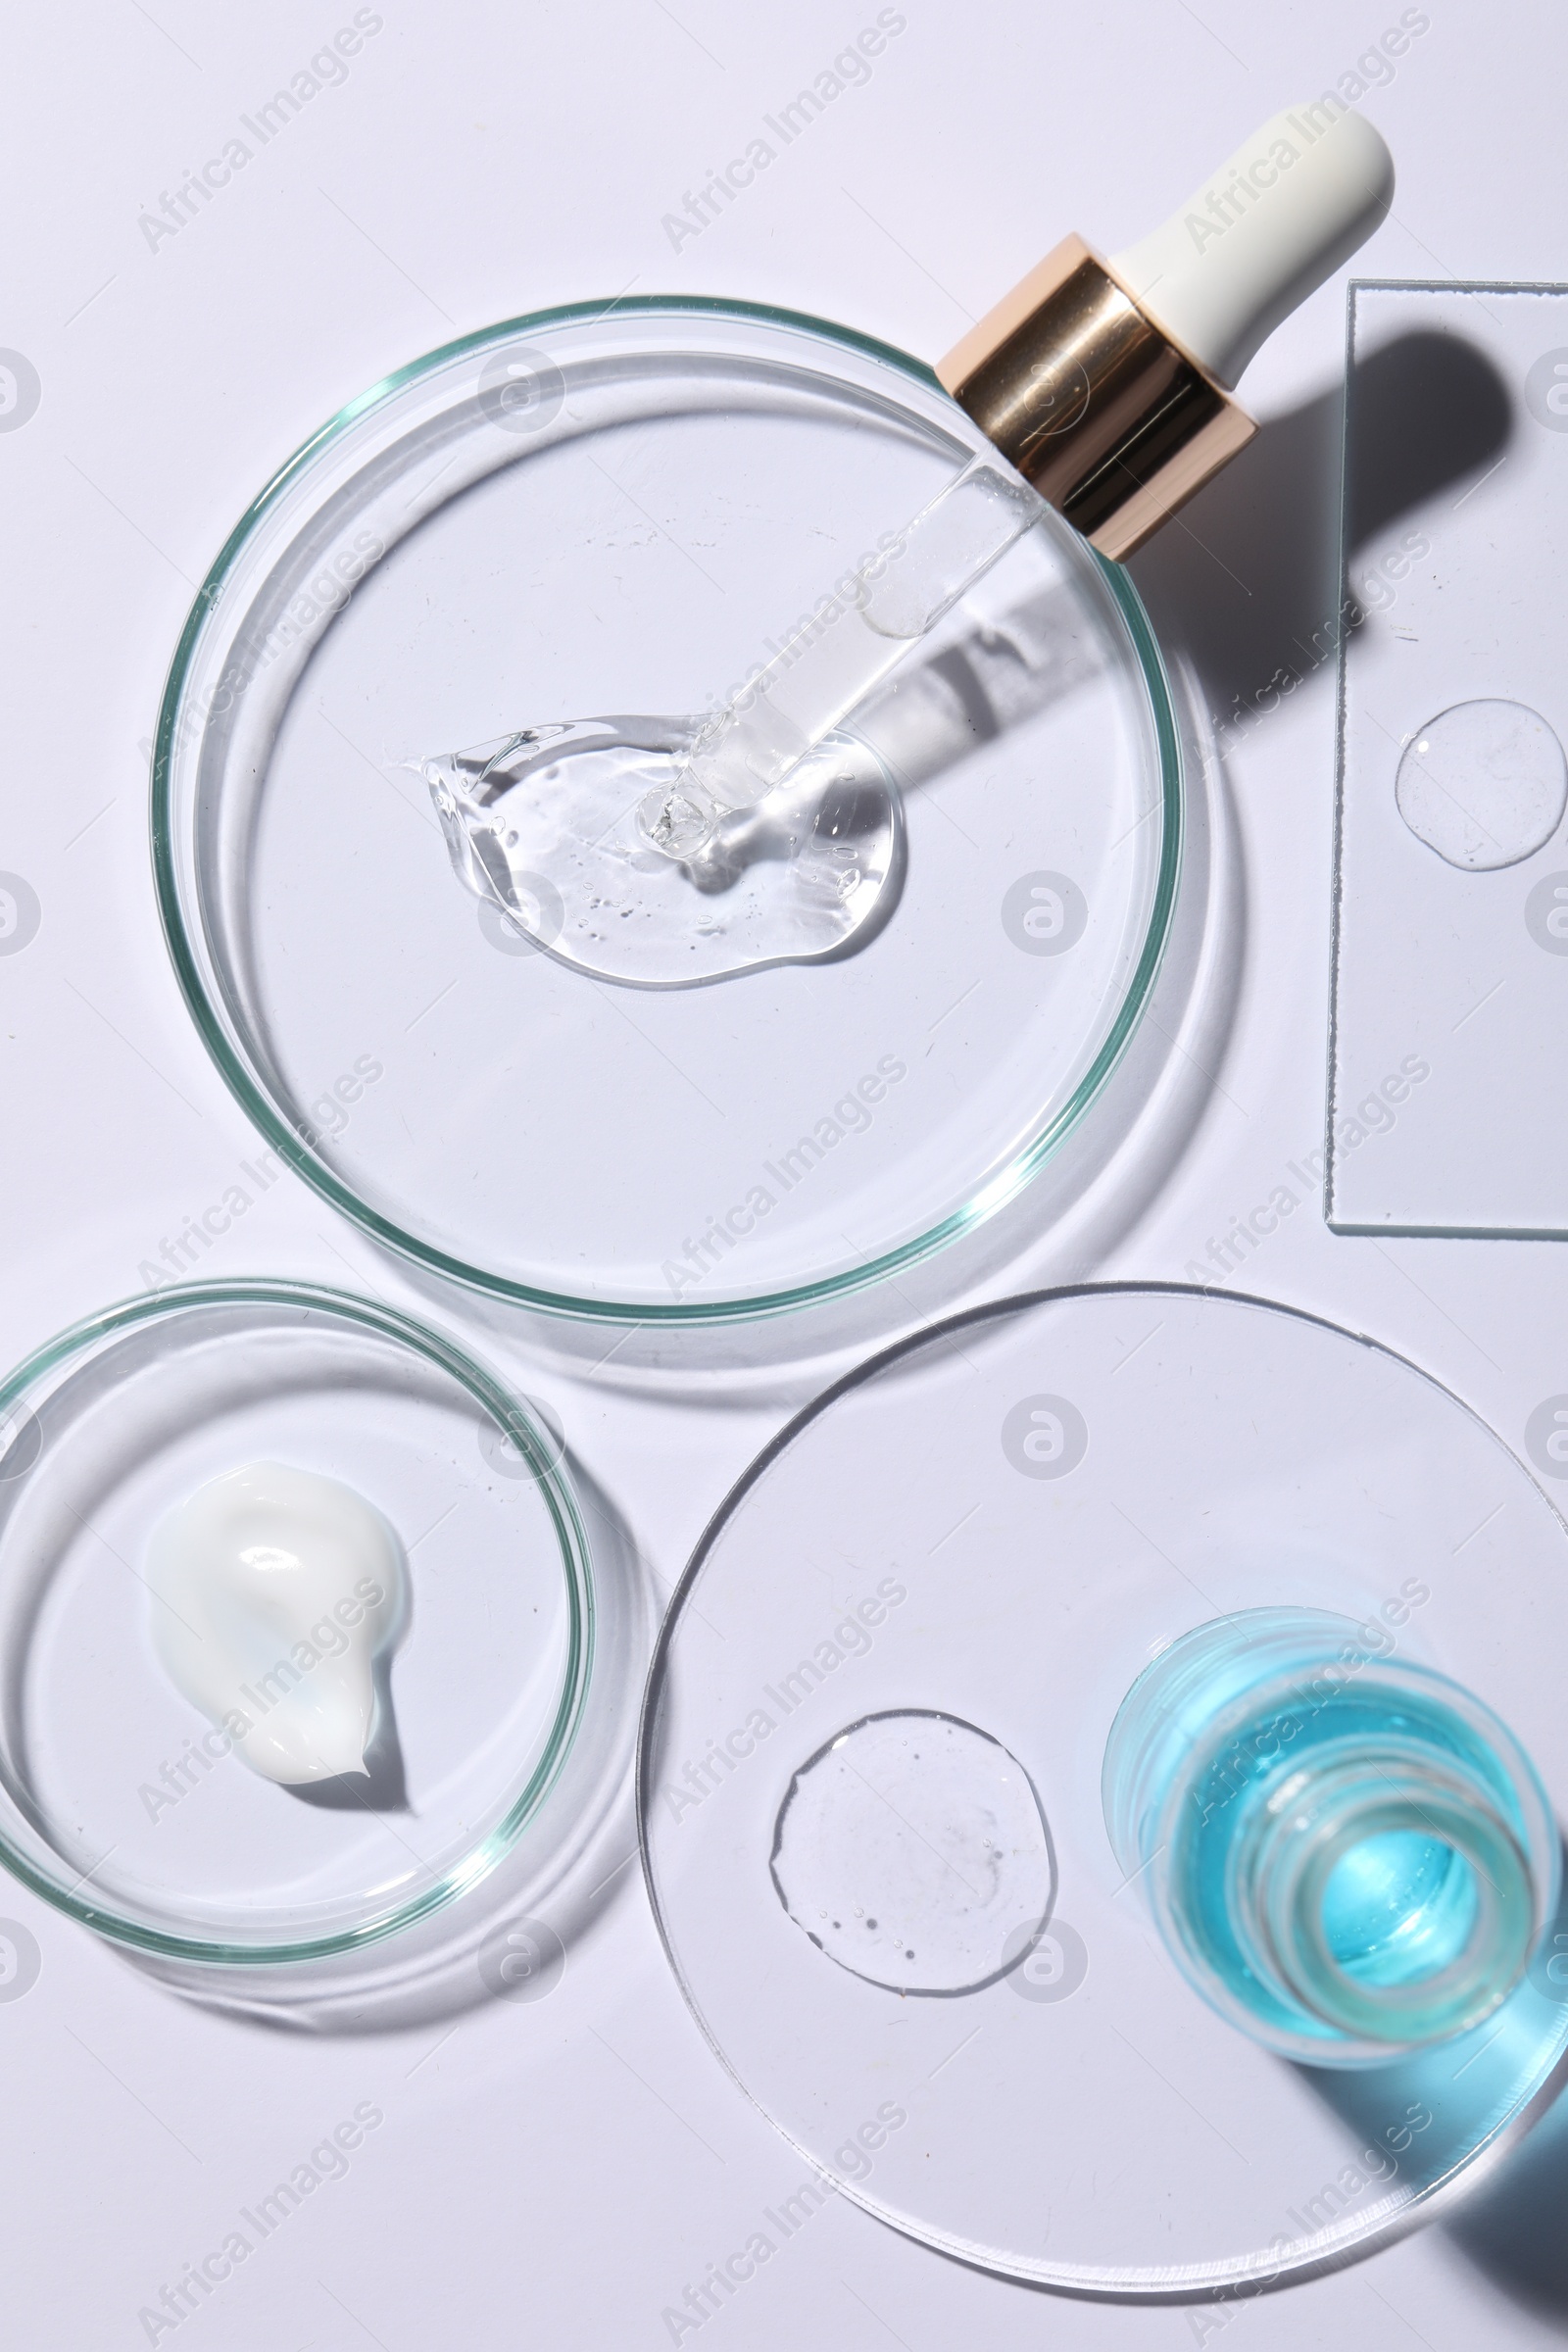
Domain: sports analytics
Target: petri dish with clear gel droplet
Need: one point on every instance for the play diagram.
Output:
(989, 1536)
(619, 510)
(120, 1801)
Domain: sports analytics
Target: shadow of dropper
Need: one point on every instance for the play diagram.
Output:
(1246, 578)
(1243, 582)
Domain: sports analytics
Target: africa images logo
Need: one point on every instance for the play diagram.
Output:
(1044, 1437)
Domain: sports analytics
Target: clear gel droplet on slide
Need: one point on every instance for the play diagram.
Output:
(1483, 784)
(910, 1848)
(587, 836)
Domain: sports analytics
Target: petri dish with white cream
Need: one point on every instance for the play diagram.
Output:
(297, 1615)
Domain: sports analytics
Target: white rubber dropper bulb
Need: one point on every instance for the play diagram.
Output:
(1261, 234)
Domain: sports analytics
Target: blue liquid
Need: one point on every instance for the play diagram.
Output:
(1346, 1854)
(1400, 1906)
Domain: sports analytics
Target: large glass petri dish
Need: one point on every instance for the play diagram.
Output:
(969, 1549)
(608, 509)
(115, 1805)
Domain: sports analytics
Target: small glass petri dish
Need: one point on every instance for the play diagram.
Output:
(611, 510)
(917, 1616)
(111, 1807)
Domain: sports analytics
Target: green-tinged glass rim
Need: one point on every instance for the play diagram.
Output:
(997, 1189)
(572, 1537)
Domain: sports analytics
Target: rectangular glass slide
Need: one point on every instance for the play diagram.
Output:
(1448, 1062)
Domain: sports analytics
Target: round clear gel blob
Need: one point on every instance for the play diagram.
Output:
(911, 1849)
(1484, 783)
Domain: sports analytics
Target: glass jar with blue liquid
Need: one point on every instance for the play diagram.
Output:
(1347, 1854)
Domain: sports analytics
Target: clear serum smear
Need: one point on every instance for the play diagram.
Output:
(275, 1590)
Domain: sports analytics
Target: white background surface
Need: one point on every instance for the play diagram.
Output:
(557, 2173)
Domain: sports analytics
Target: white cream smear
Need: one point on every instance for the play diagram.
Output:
(275, 1590)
